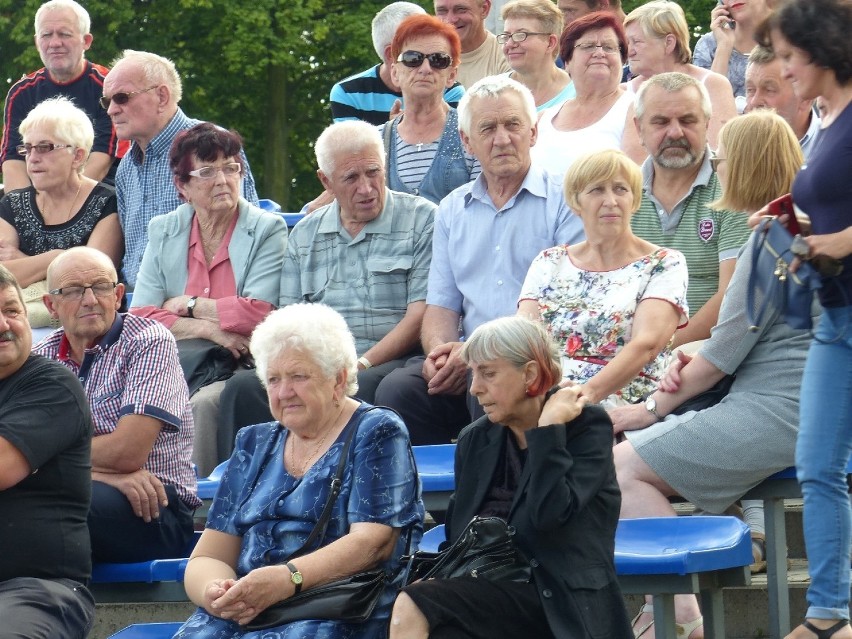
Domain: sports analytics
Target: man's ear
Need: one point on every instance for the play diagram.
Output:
(48, 303)
(323, 178)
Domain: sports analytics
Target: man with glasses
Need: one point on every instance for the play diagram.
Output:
(141, 96)
(45, 437)
(679, 180)
(62, 38)
(371, 95)
(481, 54)
(143, 482)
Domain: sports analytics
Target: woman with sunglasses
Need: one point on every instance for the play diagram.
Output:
(425, 155)
(212, 267)
(530, 42)
(62, 208)
(601, 115)
(658, 42)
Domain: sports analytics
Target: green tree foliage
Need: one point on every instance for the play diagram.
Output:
(262, 67)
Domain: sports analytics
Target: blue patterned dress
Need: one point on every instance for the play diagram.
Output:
(273, 512)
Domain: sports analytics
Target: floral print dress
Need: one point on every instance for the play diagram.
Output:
(590, 313)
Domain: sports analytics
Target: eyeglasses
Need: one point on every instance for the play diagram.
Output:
(589, 47)
(715, 161)
(413, 59)
(123, 97)
(76, 293)
(518, 36)
(41, 148)
(207, 172)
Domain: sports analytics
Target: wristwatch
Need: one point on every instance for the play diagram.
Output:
(651, 407)
(295, 577)
(190, 306)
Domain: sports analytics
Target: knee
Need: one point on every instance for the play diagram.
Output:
(407, 622)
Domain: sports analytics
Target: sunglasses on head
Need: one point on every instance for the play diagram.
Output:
(122, 97)
(414, 59)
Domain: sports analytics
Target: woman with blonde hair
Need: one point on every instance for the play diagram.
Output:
(530, 39)
(713, 456)
(612, 302)
(658, 42)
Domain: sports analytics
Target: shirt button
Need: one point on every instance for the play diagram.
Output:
(497, 248)
(534, 563)
(546, 593)
(280, 502)
(499, 282)
(206, 290)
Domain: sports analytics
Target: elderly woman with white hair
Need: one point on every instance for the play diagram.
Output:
(62, 208)
(253, 551)
(658, 42)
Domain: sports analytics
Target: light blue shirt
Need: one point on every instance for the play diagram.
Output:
(480, 255)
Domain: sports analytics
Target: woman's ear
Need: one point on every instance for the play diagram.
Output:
(532, 379)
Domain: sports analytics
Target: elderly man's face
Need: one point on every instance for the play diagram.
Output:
(61, 45)
(16, 339)
(139, 118)
(358, 184)
(673, 128)
(88, 318)
(501, 135)
(467, 16)
(766, 88)
(573, 9)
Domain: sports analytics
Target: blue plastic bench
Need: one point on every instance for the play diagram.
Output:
(143, 581)
(435, 466)
(665, 556)
(148, 631)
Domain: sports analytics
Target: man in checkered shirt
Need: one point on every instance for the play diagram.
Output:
(143, 482)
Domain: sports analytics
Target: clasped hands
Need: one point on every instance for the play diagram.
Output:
(241, 600)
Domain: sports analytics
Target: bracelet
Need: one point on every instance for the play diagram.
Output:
(365, 362)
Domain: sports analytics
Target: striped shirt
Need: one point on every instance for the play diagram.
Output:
(134, 370)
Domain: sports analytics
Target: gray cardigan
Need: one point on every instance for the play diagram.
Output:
(256, 250)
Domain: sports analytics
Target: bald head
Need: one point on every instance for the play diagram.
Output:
(79, 257)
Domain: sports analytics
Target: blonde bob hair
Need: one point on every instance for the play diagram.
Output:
(762, 158)
(660, 18)
(68, 123)
(518, 341)
(545, 12)
(598, 167)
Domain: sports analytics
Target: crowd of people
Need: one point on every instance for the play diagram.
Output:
(536, 244)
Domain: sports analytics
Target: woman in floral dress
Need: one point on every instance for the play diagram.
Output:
(613, 302)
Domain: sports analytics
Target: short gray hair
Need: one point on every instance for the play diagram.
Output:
(7, 280)
(316, 331)
(83, 251)
(68, 123)
(156, 69)
(388, 19)
(349, 136)
(671, 82)
(84, 22)
(492, 87)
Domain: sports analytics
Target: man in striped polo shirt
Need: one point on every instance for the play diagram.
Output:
(679, 180)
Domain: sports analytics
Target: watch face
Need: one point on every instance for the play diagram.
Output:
(651, 404)
(296, 577)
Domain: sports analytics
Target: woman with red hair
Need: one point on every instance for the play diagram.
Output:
(425, 155)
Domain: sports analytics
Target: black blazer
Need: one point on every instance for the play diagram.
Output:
(565, 512)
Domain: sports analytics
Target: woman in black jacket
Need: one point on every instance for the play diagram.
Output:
(541, 460)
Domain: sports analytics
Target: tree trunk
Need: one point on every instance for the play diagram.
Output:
(278, 169)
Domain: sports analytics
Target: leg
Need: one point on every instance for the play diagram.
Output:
(120, 536)
(645, 494)
(407, 622)
(368, 380)
(822, 453)
(243, 402)
(205, 417)
(431, 419)
(45, 609)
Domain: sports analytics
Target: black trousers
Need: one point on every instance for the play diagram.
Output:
(33, 608)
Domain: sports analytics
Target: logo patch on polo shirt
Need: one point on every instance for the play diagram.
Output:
(706, 228)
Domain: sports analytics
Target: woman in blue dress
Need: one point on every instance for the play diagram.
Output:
(278, 480)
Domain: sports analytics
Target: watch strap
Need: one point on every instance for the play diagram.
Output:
(190, 306)
(295, 577)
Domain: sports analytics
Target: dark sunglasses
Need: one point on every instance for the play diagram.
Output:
(123, 97)
(414, 59)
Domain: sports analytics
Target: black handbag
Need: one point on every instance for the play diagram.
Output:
(770, 278)
(204, 362)
(350, 599)
(486, 549)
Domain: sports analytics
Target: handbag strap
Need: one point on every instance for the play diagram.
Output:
(754, 319)
(336, 486)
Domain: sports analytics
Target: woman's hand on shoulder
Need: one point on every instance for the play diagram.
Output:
(562, 406)
(248, 597)
(631, 417)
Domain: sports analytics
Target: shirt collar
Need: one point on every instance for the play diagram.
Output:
(705, 173)
(330, 221)
(162, 142)
(535, 182)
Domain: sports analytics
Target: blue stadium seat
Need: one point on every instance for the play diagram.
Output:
(435, 466)
(292, 218)
(269, 205)
(207, 486)
(148, 631)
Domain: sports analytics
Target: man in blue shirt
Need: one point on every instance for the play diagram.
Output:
(370, 95)
(141, 95)
(486, 235)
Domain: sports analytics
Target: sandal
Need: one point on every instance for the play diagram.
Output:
(758, 553)
(686, 629)
(828, 632)
(638, 632)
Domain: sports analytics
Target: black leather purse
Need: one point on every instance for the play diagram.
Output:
(352, 599)
(486, 549)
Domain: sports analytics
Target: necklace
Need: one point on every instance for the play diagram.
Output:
(43, 207)
(307, 462)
